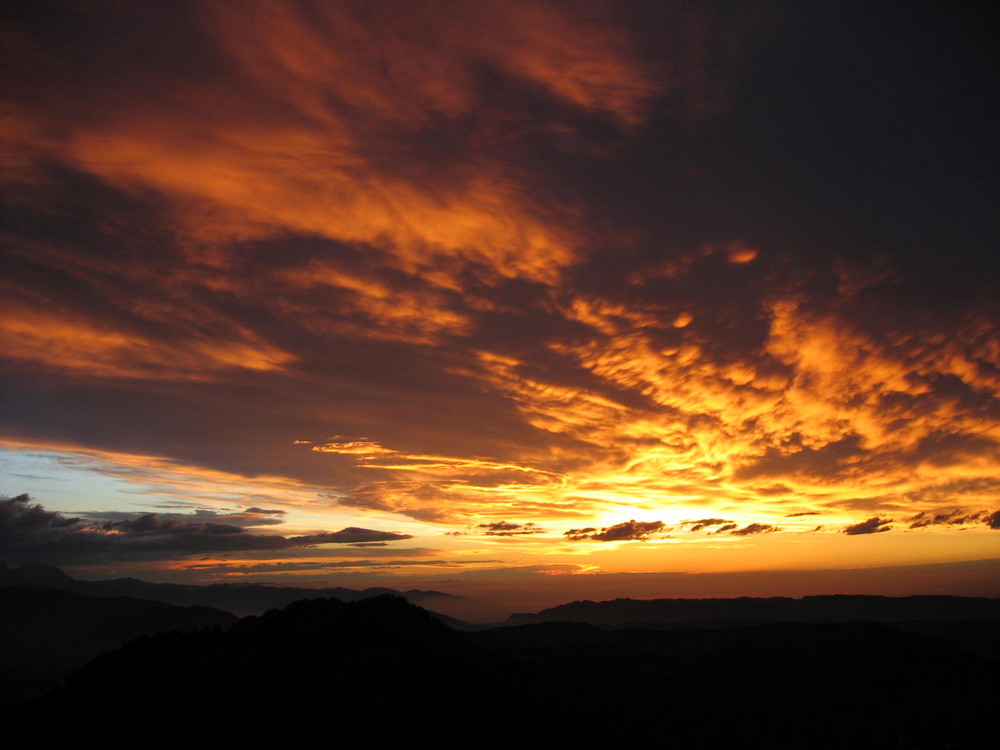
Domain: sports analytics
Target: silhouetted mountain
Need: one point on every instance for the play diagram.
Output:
(746, 611)
(240, 599)
(382, 671)
(47, 634)
(35, 575)
(379, 667)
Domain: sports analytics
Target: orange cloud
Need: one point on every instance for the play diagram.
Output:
(420, 314)
(333, 134)
(335, 93)
(83, 347)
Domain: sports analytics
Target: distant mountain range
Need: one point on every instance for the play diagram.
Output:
(240, 599)
(686, 613)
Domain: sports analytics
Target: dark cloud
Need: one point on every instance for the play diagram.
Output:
(705, 523)
(755, 528)
(350, 535)
(327, 565)
(873, 525)
(803, 513)
(21, 520)
(240, 519)
(503, 528)
(30, 533)
(499, 526)
(152, 524)
(620, 532)
(993, 520)
(724, 528)
(951, 518)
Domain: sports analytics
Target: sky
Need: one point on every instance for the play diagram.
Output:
(531, 299)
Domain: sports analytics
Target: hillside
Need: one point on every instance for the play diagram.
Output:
(46, 634)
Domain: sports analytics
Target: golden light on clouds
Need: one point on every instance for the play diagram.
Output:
(80, 347)
(523, 281)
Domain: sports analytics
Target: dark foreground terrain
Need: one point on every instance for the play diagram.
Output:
(47, 634)
(383, 672)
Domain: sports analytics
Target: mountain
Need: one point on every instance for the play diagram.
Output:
(383, 672)
(378, 669)
(747, 610)
(240, 599)
(46, 634)
(52, 624)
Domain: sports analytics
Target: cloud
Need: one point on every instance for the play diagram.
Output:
(950, 518)
(417, 483)
(375, 101)
(993, 520)
(241, 569)
(724, 528)
(30, 533)
(372, 455)
(873, 525)
(578, 534)
(19, 519)
(755, 528)
(508, 260)
(705, 523)
(349, 535)
(503, 528)
(153, 524)
(250, 518)
(620, 532)
(78, 345)
(824, 461)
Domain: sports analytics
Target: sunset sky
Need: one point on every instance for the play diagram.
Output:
(581, 298)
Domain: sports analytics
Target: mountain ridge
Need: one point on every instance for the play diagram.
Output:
(241, 599)
(626, 612)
